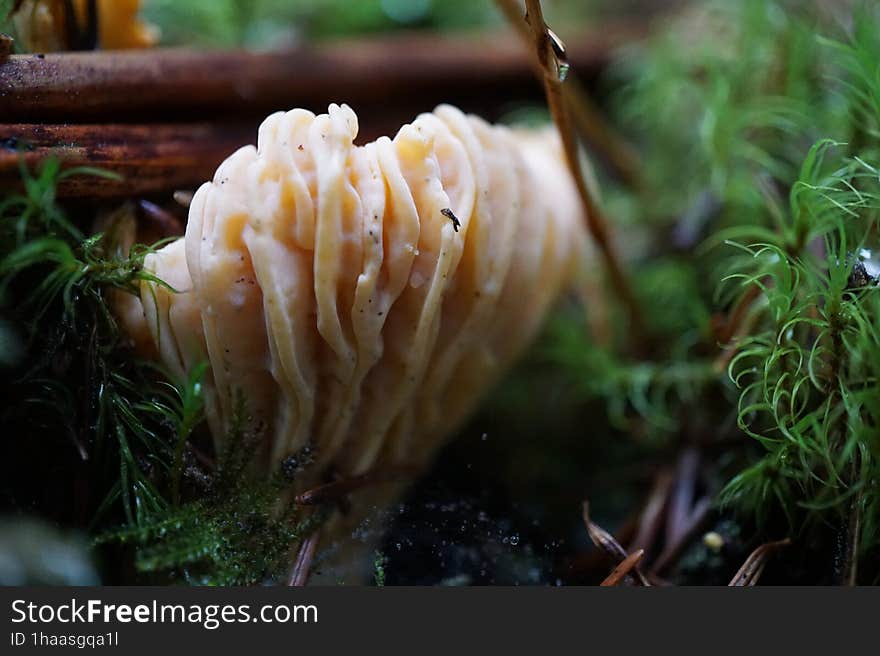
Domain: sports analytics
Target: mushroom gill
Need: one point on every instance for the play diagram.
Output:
(362, 299)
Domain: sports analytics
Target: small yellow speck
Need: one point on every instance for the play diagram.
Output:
(713, 541)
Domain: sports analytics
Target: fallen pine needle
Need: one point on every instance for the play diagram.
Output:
(623, 569)
(752, 569)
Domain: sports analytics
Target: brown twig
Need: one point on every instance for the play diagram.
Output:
(299, 575)
(548, 59)
(623, 569)
(602, 538)
(588, 118)
(176, 84)
(149, 158)
(606, 542)
(752, 569)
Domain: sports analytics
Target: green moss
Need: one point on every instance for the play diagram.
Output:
(760, 140)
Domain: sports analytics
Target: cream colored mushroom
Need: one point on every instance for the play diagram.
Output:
(364, 298)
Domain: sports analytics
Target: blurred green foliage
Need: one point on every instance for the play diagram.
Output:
(271, 23)
(758, 123)
(268, 24)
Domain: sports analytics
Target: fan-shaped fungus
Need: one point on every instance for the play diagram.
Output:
(363, 298)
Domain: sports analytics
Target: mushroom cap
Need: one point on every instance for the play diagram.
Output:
(362, 299)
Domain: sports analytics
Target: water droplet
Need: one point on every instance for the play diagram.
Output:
(561, 58)
(562, 69)
(514, 539)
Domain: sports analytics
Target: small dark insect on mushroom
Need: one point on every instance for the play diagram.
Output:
(449, 214)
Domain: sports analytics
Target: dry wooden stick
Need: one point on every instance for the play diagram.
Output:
(149, 158)
(299, 575)
(588, 118)
(623, 570)
(606, 542)
(172, 84)
(596, 222)
(752, 569)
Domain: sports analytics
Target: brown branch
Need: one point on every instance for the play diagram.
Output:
(588, 118)
(596, 222)
(623, 569)
(606, 542)
(602, 538)
(299, 575)
(150, 158)
(172, 84)
(752, 569)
